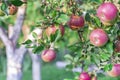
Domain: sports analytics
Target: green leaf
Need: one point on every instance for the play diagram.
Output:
(53, 13)
(3, 7)
(69, 67)
(94, 59)
(34, 35)
(97, 21)
(27, 42)
(57, 35)
(109, 47)
(41, 42)
(52, 38)
(62, 19)
(97, 1)
(16, 2)
(87, 17)
(76, 59)
(104, 56)
(107, 67)
(38, 49)
(69, 57)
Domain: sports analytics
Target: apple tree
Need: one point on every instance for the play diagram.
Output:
(90, 33)
(88, 30)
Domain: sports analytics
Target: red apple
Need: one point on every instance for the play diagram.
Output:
(48, 55)
(76, 22)
(98, 37)
(117, 46)
(51, 30)
(12, 9)
(84, 76)
(115, 71)
(107, 13)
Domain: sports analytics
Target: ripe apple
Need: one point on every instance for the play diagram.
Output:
(48, 55)
(76, 22)
(98, 37)
(12, 9)
(84, 76)
(52, 30)
(107, 13)
(117, 46)
(115, 71)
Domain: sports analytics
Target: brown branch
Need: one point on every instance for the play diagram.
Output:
(3, 36)
(18, 24)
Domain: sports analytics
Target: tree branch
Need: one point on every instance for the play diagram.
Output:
(18, 24)
(4, 36)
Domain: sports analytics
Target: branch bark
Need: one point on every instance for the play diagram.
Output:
(14, 62)
(18, 24)
(36, 66)
(3, 36)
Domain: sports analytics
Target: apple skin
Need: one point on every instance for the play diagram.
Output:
(48, 55)
(12, 10)
(52, 30)
(98, 37)
(107, 13)
(84, 76)
(115, 71)
(76, 22)
(117, 46)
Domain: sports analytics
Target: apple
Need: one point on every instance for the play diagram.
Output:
(98, 37)
(76, 22)
(117, 46)
(12, 9)
(107, 13)
(115, 71)
(84, 76)
(48, 55)
(52, 30)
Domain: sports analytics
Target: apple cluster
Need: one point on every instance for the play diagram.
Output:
(49, 55)
(107, 13)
